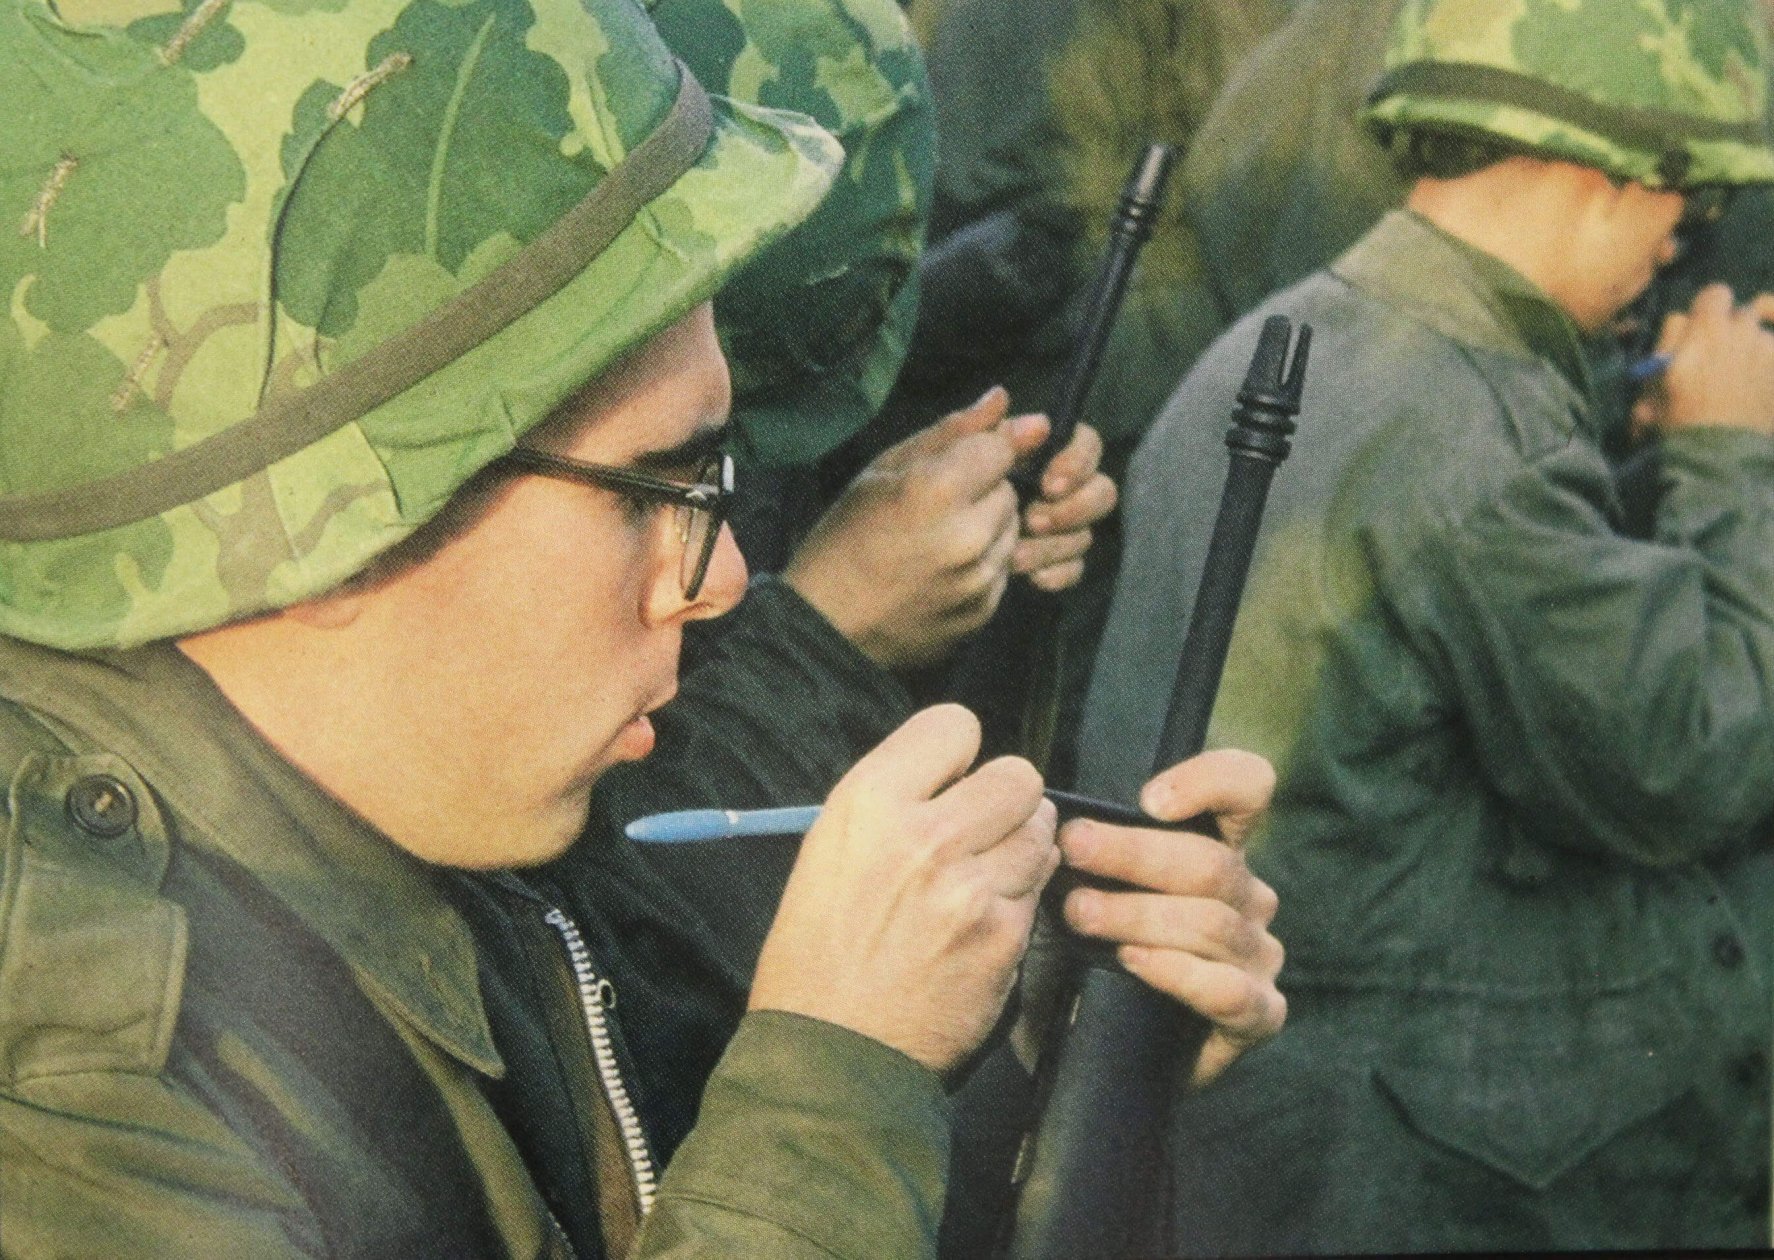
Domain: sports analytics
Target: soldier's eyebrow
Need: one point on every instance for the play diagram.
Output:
(693, 452)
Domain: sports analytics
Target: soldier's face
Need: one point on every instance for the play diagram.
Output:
(1627, 234)
(581, 590)
(532, 645)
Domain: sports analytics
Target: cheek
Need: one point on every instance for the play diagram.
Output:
(547, 621)
(588, 594)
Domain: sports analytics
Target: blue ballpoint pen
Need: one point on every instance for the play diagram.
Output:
(689, 826)
(1648, 368)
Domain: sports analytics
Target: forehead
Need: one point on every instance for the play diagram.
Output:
(674, 387)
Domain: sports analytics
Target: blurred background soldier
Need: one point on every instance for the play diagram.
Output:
(1526, 760)
(1282, 177)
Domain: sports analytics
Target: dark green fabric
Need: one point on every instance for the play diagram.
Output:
(250, 1026)
(1521, 836)
(1279, 180)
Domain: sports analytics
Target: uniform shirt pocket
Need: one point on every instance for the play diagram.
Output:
(1532, 1093)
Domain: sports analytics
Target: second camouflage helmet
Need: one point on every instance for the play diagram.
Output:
(1670, 93)
(282, 277)
(816, 327)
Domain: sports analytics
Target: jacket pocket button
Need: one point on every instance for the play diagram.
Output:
(101, 805)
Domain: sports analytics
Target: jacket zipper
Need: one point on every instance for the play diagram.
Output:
(596, 996)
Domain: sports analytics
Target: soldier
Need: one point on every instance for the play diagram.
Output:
(1282, 177)
(915, 552)
(1526, 761)
(362, 471)
(778, 698)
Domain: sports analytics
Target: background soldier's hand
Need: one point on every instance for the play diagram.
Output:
(910, 906)
(1057, 525)
(1202, 933)
(916, 553)
(1721, 367)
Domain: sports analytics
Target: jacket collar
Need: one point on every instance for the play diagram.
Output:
(379, 907)
(1465, 294)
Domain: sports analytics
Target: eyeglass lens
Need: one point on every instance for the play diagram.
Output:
(700, 529)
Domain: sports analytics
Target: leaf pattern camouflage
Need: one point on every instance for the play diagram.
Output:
(208, 208)
(816, 326)
(1677, 64)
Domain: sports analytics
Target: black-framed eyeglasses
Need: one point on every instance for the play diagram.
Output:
(701, 506)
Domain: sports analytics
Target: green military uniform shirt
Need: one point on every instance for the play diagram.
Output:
(1521, 835)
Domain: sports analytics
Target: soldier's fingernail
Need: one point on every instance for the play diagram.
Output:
(1085, 908)
(1039, 521)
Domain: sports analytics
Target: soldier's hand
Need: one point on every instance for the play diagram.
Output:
(1201, 934)
(910, 906)
(1074, 496)
(1721, 366)
(917, 551)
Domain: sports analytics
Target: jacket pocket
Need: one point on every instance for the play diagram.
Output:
(92, 957)
(1531, 1093)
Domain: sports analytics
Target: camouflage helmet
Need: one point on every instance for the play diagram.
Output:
(1669, 93)
(816, 327)
(282, 276)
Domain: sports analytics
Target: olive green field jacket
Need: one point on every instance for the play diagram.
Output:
(237, 1022)
(1522, 829)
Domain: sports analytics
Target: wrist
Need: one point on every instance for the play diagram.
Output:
(842, 610)
(809, 583)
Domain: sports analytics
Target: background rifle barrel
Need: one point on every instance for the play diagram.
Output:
(1009, 673)
(1093, 1171)
(1142, 198)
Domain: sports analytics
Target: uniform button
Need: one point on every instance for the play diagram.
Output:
(1751, 1070)
(1728, 950)
(101, 805)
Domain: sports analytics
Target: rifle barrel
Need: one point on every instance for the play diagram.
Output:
(1136, 214)
(1089, 1178)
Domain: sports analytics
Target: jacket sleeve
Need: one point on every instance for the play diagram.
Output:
(1620, 693)
(813, 1142)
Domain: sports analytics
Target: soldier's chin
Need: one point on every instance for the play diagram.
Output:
(547, 839)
